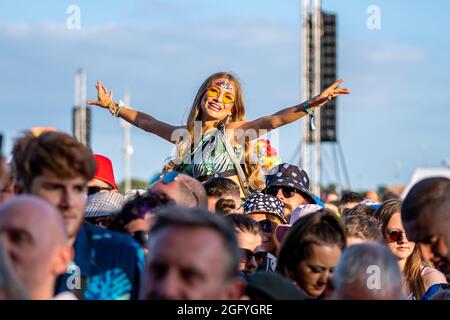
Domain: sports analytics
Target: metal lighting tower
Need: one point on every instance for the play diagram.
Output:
(316, 20)
(81, 116)
(311, 82)
(304, 163)
(127, 149)
(319, 63)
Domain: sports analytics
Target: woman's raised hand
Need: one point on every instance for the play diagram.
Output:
(330, 93)
(103, 96)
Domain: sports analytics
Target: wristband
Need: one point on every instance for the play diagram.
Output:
(116, 113)
(120, 105)
(112, 106)
(311, 115)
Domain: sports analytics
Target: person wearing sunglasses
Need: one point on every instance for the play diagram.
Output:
(183, 189)
(417, 276)
(218, 106)
(290, 184)
(103, 180)
(248, 234)
(268, 212)
(137, 215)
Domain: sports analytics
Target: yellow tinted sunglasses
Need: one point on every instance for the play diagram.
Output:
(227, 97)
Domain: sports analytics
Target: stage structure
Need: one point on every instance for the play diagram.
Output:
(319, 71)
(81, 114)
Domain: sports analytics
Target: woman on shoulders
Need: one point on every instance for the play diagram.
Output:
(213, 141)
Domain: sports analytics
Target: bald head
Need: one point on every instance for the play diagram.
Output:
(185, 190)
(36, 241)
(36, 215)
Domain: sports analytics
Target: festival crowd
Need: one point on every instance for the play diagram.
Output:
(215, 224)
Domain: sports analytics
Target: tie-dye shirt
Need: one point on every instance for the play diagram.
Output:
(107, 266)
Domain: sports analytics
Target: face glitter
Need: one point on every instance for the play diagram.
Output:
(225, 85)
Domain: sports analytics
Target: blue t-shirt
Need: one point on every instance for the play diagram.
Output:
(107, 266)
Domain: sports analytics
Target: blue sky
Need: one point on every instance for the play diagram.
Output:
(396, 119)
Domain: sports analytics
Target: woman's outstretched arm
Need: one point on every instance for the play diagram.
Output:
(291, 114)
(136, 118)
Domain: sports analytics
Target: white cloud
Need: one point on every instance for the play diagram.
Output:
(14, 30)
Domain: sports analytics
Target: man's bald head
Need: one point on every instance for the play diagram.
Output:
(37, 214)
(185, 190)
(36, 241)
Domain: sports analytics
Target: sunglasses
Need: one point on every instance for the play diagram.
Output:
(267, 225)
(395, 235)
(247, 255)
(288, 192)
(94, 190)
(172, 176)
(215, 92)
(141, 237)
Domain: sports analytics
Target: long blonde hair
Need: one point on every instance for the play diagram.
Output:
(413, 273)
(252, 170)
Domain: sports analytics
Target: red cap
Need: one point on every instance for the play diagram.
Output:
(105, 170)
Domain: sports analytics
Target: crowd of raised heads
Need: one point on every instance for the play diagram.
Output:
(218, 227)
